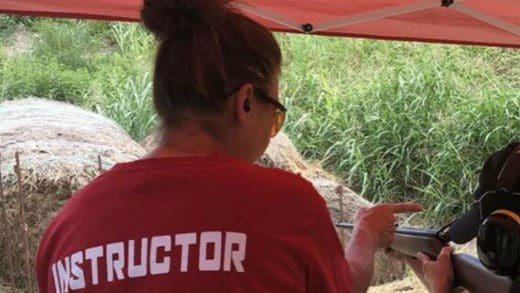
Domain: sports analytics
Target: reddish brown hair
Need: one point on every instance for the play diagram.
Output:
(206, 50)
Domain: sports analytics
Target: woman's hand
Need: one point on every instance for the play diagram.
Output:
(377, 223)
(373, 228)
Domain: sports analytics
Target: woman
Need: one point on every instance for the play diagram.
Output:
(196, 214)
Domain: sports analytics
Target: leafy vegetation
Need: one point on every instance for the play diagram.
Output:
(398, 121)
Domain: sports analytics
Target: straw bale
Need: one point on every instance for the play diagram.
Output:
(341, 200)
(58, 146)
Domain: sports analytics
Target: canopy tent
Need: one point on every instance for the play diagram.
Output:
(479, 22)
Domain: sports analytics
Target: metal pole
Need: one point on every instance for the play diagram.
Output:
(339, 192)
(28, 267)
(100, 164)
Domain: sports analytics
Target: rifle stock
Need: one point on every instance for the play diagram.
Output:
(468, 271)
(471, 274)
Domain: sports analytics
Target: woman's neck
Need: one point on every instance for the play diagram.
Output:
(188, 140)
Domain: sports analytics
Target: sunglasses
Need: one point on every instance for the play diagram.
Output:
(278, 114)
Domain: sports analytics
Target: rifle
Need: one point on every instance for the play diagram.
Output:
(468, 271)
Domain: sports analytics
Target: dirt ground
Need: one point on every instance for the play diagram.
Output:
(19, 42)
(410, 285)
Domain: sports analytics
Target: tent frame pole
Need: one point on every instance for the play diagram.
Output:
(378, 14)
(477, 14)
(269, 15)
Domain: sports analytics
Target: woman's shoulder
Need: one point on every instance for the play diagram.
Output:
(289, 183)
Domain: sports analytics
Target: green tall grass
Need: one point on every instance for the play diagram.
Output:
(397, 121)
(101, 66)
(402, 121)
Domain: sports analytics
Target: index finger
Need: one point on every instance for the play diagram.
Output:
(407, 207)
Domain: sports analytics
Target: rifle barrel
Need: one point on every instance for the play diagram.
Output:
(401, 230)
(468, 271)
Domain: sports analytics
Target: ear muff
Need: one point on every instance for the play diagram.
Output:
(247, 105)
(498, 242)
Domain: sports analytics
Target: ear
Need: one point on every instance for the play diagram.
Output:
(243, 102)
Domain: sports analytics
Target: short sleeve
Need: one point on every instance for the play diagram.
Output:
(328, 269)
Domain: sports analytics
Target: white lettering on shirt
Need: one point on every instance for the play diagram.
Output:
(160, 267)
(55, 278)
(115, 260)
(207, 238)
(93, 254)
(135, 270)
(217, 251)
(185, 240)
(238, 255)
(78, 278)
(64, 274)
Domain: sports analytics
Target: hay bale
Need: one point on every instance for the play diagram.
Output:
(58, 146)
(341, 200)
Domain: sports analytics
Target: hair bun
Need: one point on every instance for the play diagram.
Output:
(169, 17)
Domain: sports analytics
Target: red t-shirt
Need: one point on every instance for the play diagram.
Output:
(193, 224)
